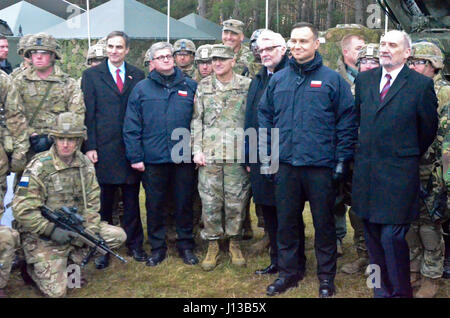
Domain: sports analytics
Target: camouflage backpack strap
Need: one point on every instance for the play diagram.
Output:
(30, 123)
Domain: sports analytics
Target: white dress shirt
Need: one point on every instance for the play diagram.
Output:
(113, 71)
(393, 74)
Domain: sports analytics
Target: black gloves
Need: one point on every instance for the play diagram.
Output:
(340, 172)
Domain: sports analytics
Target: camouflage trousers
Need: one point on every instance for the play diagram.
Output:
(9, 242)
(426, 246)
(47, 261)
(223, 187)
(358, 237)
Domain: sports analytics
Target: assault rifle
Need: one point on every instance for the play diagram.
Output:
(69, 220)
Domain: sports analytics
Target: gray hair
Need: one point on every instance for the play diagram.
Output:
(160, 46)
(277, 38)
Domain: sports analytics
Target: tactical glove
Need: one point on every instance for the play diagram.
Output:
(61, 236)
(18, 162)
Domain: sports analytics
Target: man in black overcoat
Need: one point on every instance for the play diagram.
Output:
(398, 120)
(106, 88)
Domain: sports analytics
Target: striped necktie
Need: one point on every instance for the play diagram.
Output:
(386, 87)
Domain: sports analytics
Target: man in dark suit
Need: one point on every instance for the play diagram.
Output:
(397, 115)
(106, 88)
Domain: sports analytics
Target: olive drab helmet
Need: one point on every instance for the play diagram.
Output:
(23, 42)
(42, 41)
(370, 51)
(430, 52)
(184, 45)
(69, 125)
(96, 51)
(203, 53)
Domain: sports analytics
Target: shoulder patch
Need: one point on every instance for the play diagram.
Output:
(43, 159)
(24, 182)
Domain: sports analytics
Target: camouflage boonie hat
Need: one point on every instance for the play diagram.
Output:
(42, 41)
(233, 25)
(184, 45)
(23, 43)
(96, 51)
(430, 52)
(370, 51)
(223, 51)
(204, 53)
(69, 125)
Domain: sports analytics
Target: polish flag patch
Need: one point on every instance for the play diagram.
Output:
(316, 83)
(183, 93)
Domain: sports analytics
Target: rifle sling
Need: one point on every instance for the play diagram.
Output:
(30, 123)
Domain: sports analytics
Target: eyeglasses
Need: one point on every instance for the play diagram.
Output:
(184, 53)
(163, 57)
(369, 61)
(204, 62)
(269, 49)
(418, 62)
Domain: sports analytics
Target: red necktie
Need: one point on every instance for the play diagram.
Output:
(385, 88)
(119, 81)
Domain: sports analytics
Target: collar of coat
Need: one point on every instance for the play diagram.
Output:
(57, 75)
(263, 71)
(157, 77)
(308, 66)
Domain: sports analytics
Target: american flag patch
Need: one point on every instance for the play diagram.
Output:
(316, 83)
(182, 93)
(24, 181)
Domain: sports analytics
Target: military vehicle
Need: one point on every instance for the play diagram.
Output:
(424, 20)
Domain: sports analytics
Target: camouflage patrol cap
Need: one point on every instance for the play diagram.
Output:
(204, 53)
(42, 41)
(370, 50)
(233, 25)
(96, 51)
(222, 51)
(69, 125)
(430, 52)
(184, 45)
(23, 43)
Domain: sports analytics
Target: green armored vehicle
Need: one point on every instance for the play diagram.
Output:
(424, 20)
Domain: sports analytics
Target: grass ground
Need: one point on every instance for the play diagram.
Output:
(174, 279)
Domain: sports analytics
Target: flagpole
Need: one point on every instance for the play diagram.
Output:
(168, 21)
(88, 23)
(267, 14)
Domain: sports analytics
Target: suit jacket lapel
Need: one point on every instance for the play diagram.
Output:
(398, 84)
(107, 77)
(375, 88)
(129, 78)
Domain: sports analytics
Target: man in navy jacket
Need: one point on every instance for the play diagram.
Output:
(159, 113)
(313, 109)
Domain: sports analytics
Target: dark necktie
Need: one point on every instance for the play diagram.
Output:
(119, 81)
(385, 88)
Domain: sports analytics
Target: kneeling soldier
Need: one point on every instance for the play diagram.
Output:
(61, 176)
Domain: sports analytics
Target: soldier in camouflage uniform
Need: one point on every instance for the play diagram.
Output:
(219, 114)
(203, 62)
(23, 42)
(425, 237)
(9, 238)
(350, 46)
(61, 176)
(233, 36)
(42, 92)
(368, 58)
(184, 51)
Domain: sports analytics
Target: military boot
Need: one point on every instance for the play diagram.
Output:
(236, 255)
(260, 246)
(211, 257)
(446, 273)
(428, 288)
(356, 266)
